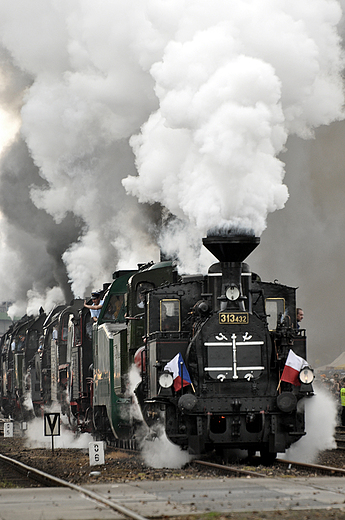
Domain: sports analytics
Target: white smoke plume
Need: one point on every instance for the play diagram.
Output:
(321, 419)
(146, 123)
(232, 85)
(35, 437)
(157, 451)
(161, 453)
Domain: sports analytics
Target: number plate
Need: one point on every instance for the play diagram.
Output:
(233, 318)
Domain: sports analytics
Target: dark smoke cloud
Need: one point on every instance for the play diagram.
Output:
(35, 239)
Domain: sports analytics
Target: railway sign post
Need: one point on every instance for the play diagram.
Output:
(96, 453)
(52, 426)
(8, 429)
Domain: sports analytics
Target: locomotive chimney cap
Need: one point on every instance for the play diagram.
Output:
(231, 246)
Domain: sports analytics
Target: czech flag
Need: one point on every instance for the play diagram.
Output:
(179, 370)
(292, 368)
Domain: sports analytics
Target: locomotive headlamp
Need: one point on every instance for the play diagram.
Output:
(166, 380)
(232, 293)
(306, 375)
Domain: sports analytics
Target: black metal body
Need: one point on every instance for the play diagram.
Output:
(234, 352)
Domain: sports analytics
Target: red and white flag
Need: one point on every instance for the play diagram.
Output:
(179, 370)
(293, 366)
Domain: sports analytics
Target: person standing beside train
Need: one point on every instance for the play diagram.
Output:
(95, 308)
(299, 316)
(342, 402)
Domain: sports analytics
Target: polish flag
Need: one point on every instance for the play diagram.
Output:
(292, 368)
(179, 370)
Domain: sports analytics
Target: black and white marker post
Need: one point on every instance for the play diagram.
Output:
(52, 426)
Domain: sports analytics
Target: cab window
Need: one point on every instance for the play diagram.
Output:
(141, 289)
(64, 327)
(275, 310)
(170, 315)
(116, 308)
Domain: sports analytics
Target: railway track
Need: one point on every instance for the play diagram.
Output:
(340, 437)
(303, 465)
(235, 469)
(231, 469)
(50, 480)
(340, 443)
(14, 476)
(317, 467)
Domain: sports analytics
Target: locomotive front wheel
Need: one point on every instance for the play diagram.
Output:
(251, 454)
(101, 422)
(267, 457)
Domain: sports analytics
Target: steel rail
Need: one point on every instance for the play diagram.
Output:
(330, 469)
(91, 494)
(233, 469)
(340, 443)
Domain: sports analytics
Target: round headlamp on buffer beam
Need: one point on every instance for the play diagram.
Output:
(232, 293)
(306, 375)
(166, 379)
(306, 378)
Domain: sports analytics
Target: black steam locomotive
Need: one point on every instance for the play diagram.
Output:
(212, 353)
(39, 357)
(216, 348)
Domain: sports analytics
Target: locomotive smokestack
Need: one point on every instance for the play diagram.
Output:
(231, 247)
